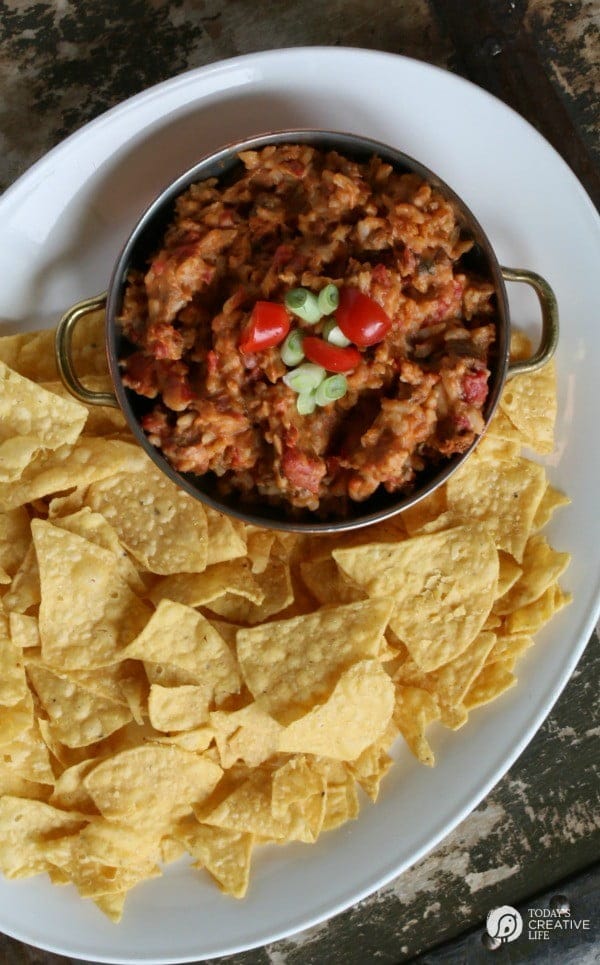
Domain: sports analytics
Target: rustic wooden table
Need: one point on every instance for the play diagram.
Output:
(537, 834)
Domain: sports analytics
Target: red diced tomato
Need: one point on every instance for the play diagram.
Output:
(331, 357)
(475, 387)
(268, 326)
(361, 318)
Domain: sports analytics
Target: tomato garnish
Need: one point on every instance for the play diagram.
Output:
(361, 318)
(331, 357)
(268, 326)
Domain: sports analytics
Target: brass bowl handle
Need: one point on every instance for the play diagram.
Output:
(548, 304)
(64, 361)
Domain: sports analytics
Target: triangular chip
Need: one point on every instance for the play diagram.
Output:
(542, 565)
(88, 614)
(225, 854)
(530, 402)
(155, 783)
(32, 419)
(71, 466)
(503, 494)
(354, 716)
(414, 710)
(443, 586)
(293, 664)
(179, 636)
(161, 525)
(79, 717)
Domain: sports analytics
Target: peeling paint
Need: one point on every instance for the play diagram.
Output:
(483, 879)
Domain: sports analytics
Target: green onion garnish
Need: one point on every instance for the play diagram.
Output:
(306, 378)
(304, 304)
(333, 334)
(306, 403)
(328, 300)
(331, 389)
(291, 351)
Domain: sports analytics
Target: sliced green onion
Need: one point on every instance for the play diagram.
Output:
(304, 304)
(333, 334)
(291, 351)
(331, 389)
(306, 378)
(306, 403)
(328, 300)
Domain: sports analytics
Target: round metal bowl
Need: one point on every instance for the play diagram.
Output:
(145, 239)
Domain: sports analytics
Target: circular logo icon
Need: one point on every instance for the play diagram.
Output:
(504, 924)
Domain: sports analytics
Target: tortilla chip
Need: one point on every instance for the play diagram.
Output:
(161, 525)
(25, 827)
(293, 664)
(32, 419)
(88, 614)
(224, 541)
(354, 716)
(532, 617)
(177, 636)
(414, 710)
(503, 494)
(24, 591)
(225, 854)
(79, 717)
(156, 784)
(178, 708)
(551, 500)
(274, 584)
(443, 586)
(530, 402)
(542, 566)
(492, 681)
(13, 686)
(233, 577)
(70, 466)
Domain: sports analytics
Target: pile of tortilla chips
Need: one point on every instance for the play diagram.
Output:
(173, 682)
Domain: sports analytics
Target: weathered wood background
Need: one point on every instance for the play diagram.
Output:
(66, 61)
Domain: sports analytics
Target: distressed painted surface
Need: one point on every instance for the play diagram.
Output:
(63, 63)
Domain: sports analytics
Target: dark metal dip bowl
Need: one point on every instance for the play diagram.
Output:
(145, 239)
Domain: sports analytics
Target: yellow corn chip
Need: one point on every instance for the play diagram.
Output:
(233, 577)
(355, 715)
(224, 541)
(15, 539)
(542, 566)
(225, 854)
(69, 466)
(492, 681)
(88, 614)
(293, 664)
(24, 591)
(159, 523)
(551, 500)
(414, 710)
(13, 686)
(32, 419)
(530, 403)
(156, 783)
(79, 717)
(274, 584)
(503, 494)
(25, 827)
(533, 616)
(178, 708)
(443, 586)
(180, 637)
